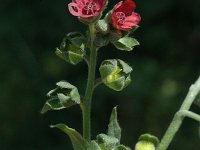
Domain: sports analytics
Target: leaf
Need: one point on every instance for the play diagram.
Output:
(93, 146)
(108, 141)
(126, 43)
(114, 129)
(63, 96)
(77, 140)
(55, 104)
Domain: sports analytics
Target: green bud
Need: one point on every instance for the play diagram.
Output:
(143, 145)
(63, 96)
(115, 74)
(147, 142)
(102, 26)
(72, 48)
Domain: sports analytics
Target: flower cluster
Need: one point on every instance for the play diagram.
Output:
(123, 15)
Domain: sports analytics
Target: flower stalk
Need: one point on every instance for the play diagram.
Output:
(180, 115)
(86, 108)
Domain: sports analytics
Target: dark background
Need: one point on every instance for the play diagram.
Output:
(165, 64)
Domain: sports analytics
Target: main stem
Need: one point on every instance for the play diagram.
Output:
(86, 108)
(178, 119)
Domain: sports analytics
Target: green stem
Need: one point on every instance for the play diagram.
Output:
(178, 119)
(189, 114)
(86, 108)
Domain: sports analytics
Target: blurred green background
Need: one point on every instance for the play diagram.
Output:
(165, 64)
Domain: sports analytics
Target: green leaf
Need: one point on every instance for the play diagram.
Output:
(93, 146)
(63, 96)
(126, 43)
(108, 141)
(55, 104)
(77, 140)
(149, 138)
(114, 129)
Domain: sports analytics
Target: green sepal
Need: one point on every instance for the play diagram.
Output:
(63, 96)
(115, 74)
(102, 26)
(93, 146)
(126, 43)
(149, 138)
(114, 129)
(78, 142)
(72, 48)
(107, 141)
(128, 33)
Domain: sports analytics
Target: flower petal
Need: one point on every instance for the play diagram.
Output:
(74, 9)
(133, 19)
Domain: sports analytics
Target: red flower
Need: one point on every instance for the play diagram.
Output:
(86, 8)
(123, 15)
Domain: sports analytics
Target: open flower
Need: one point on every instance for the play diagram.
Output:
(123, 15)
(86, 8)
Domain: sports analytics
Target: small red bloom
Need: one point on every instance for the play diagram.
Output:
(123, 15)
(86, 8)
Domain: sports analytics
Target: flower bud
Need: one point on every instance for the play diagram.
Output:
(102, 26)
(143, 145)
(72, 48)
(63, 96)
(115, 74)
(147, 142)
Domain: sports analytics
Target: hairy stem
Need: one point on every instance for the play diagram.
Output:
(86, 108)
(178, 119)
(189, 114)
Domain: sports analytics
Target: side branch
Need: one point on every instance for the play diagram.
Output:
(178, 119)
(189, 114)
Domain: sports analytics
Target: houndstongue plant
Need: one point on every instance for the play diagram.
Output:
(117, 28)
